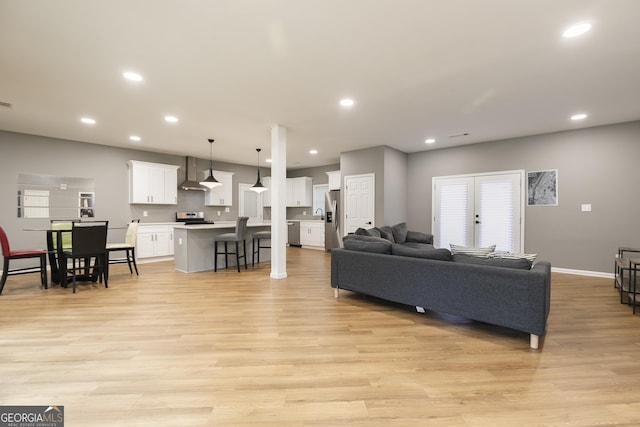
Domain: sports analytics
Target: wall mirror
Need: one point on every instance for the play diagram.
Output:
(50, 196)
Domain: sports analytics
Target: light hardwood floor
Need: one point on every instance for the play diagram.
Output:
(241, 349)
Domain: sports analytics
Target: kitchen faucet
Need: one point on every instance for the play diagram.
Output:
(321, 211)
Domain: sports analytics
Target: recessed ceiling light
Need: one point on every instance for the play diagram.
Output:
(577, 29)
(580, 116)
(88, 121)
(313, 151)
(130, 75)
(135, 138)
(429, 140)
(171, 119)
(347, 102)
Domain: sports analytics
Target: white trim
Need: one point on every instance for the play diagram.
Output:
(583, 272)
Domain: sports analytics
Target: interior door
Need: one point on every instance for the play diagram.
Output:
(359, 202)
(250, 203)
(479, 211)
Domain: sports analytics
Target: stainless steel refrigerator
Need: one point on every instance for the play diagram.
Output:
(332, 217)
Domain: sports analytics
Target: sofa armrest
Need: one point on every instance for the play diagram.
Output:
(419, 237)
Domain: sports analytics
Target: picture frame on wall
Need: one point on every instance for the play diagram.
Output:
(542, 188)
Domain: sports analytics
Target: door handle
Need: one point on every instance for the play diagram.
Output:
(368, 223)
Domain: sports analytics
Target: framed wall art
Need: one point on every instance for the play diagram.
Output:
(542, 188)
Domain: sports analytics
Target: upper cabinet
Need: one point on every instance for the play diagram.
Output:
(334, 180)
(152, 183)
(221, 195)
(299, 192)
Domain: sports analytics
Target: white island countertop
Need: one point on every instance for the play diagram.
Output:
(219, 224)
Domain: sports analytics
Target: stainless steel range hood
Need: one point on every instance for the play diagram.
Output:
(192, 182)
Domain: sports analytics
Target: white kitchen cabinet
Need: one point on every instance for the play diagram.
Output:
(312, 233)
(334, 180)
(152, 183)
(154, 240)
(266, 195)
(221, 195)
(299, 192)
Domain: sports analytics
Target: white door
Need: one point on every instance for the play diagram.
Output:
(359, 202)
(480, 211)
(250, 203)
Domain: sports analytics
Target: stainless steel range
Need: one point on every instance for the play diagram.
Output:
(189, 218)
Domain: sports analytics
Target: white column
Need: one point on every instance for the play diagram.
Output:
(278, 202)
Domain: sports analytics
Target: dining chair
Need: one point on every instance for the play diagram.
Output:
(239, 235)
(88, 241)
(58, 240)
(128, 246)
(9, 255)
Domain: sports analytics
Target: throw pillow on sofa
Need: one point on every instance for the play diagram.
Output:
(387, 233)
(479, 252)
(399, 232)
(374, 232)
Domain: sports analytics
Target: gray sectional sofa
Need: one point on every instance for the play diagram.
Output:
(412, 272)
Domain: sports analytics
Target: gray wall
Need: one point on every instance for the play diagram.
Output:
(108, 167)
(395, 185)
(390, 169)
(369, 160)
(595, 165)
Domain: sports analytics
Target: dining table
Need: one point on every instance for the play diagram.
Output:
(55, 253)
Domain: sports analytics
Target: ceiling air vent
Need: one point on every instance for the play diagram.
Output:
(6, 104)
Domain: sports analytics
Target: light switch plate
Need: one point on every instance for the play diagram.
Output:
(586, 207)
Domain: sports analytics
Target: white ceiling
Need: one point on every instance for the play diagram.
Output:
(230, 69)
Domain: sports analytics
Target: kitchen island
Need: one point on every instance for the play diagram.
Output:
(194, 245)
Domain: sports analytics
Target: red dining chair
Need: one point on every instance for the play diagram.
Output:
(8, 255)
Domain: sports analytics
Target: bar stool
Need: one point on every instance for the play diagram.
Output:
(239, 235)
(255, 244)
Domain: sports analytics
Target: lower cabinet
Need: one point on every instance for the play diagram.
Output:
(312, 233)
(154, 241)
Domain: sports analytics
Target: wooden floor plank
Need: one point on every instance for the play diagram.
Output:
(241, 349)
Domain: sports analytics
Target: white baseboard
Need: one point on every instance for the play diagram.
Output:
(582, 272)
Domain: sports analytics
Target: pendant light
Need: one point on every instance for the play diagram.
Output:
(210, 182)
(258, 187)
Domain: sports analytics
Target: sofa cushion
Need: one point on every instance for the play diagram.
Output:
(367, 244)
(417, 245)
(399, 232)
(478, 252)
(419, 237)
(423, 251)
(490, 261)
(387, 233)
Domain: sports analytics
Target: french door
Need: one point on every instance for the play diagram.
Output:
(479, 211)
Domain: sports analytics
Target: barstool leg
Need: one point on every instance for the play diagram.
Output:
(215, 255)
(244, 253)
(226, 255)
(237, 257)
